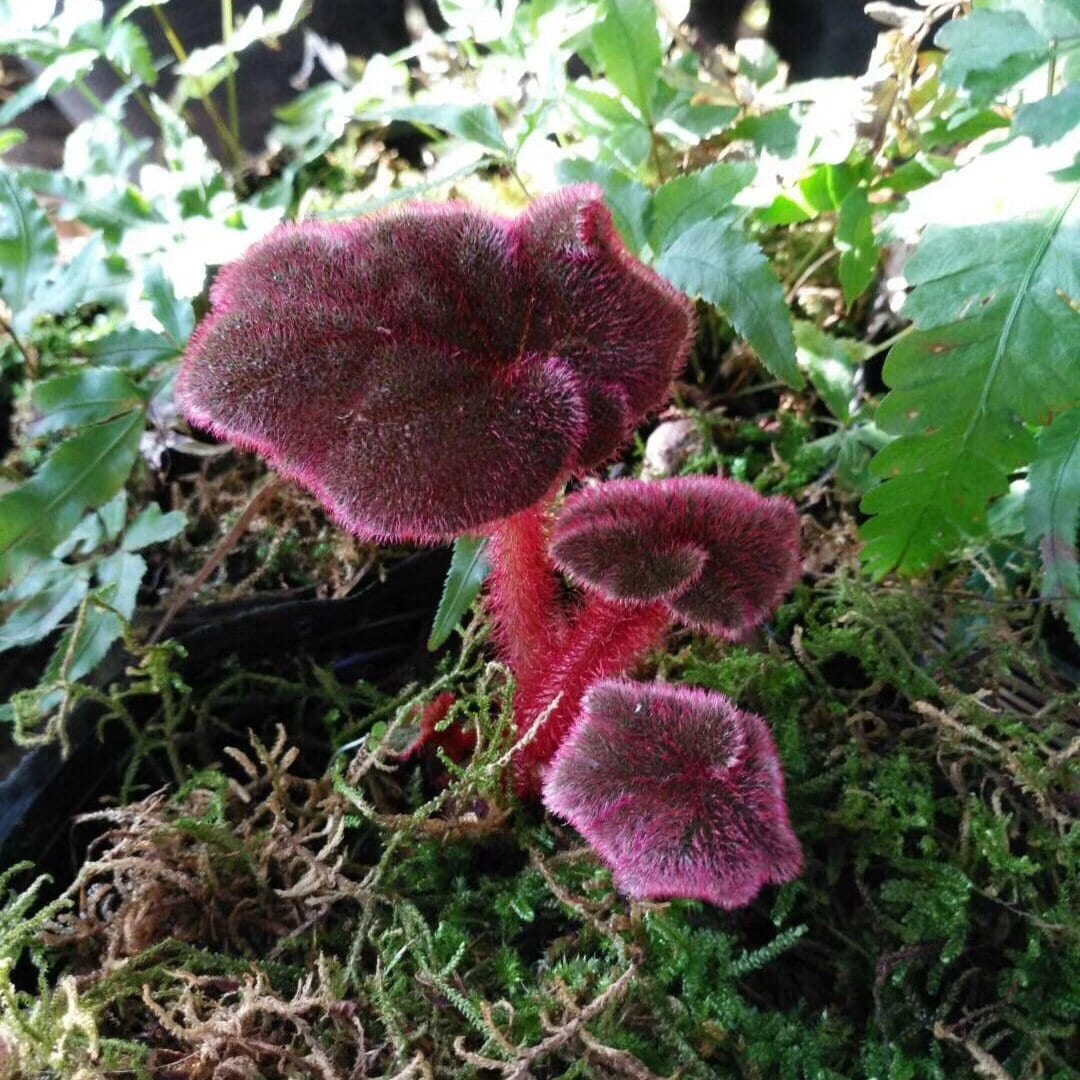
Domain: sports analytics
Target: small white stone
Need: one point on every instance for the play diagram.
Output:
(670, 446)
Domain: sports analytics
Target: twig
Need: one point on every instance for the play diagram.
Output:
(345, 589)
(889, 342)
(521, 1068)
(1013, 763)
(655, 145)
(456, 828)
(232, 147)
(227, 22)
(985, 1063)
(815, 250)
(809, 272)
(517, 176)
(622, 1061)
(590, 913)
(418, 1067)
(31, 364)
(227, 543)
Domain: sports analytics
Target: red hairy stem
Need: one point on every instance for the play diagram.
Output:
(606, 638)
(523, 591)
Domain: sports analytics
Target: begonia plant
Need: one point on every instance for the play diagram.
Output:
(438, 371)
(708, 552)
(435, 369)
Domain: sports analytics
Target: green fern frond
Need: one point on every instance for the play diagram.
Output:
(994, 307)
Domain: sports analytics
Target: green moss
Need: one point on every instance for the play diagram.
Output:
(936, 913)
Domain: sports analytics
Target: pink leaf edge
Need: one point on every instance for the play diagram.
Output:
(680, 792)
(432, 369)
(720, 555)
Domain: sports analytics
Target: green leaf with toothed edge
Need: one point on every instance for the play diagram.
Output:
(40, 600)
(469, 568)
(82, 473)
(476, 123)
(716, 261)
(695, 197)
(994, 352)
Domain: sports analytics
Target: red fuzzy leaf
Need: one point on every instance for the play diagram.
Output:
(678, 791)
(719, 554)
(431, 370)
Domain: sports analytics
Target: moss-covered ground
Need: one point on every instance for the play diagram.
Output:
(268, 894)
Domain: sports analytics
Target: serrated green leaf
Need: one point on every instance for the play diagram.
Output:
(95, 529)
(113, 515)
(628, 44)
(831, 363)
(695, 197)
(468, 570)
(627, 200)
(126, 47)
(1046, 121)
(855, 241)
(310, 122)
(176, 316)
(27, 243)
(623, 138)
(84, 646)
(40, 600)
(995, 345)
(758, 60)
(692, 124)
(1053, 513)
(715, 260)
(83, 397)
(989, 51)
(687, 110)
(116, 210)
(153, 527)
(58, 74)
(477, 123)
(134, 349)
(776, 131)
(85, 538)
(83, 472)
(89, 278)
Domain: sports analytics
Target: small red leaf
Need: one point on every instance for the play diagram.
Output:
(679, 791)
(718, 553)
